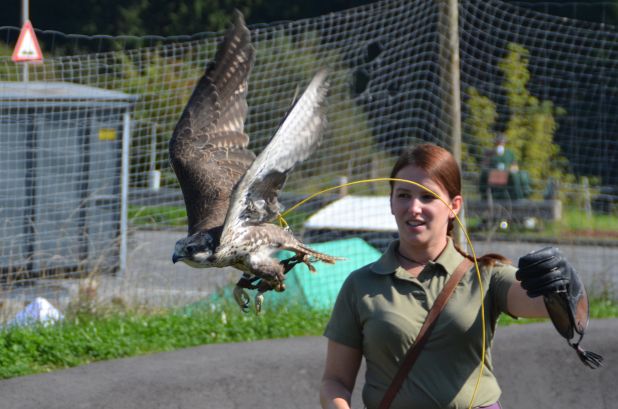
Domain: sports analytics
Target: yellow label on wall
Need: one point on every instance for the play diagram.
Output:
(107, 134)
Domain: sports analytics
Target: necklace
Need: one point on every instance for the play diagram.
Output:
(408, 258)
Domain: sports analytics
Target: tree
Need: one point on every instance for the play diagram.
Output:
(531, 124)
(480, 122)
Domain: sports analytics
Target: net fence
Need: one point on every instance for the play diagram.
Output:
(88, 202)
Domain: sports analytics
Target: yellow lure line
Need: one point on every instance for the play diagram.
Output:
(463, 229)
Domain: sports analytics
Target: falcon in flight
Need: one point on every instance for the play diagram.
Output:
(230, 195)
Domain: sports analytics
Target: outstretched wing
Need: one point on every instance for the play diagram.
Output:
(208, 149)
(255, 198)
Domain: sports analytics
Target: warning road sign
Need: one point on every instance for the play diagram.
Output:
(27, 47)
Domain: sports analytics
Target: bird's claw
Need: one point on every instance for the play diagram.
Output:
(259, 301)
(263, 286)
(242, 298)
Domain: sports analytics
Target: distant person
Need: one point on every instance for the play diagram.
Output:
(500, 174)
(381, 307)
(503, 158)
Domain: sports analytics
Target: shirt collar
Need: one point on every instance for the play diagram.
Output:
(388, 263)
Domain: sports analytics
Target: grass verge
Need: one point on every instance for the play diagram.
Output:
(85, 337)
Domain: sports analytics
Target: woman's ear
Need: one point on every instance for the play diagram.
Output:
(456, 204)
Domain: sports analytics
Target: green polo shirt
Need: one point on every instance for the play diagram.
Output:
(381, 308)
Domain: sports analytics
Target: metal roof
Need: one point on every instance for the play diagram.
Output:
(367, 213)
(31, 94)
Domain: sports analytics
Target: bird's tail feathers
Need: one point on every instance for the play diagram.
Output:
(316, 255)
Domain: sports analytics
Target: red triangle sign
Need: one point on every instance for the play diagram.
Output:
(27, 47)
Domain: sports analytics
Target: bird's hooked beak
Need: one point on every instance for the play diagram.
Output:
(176, 258)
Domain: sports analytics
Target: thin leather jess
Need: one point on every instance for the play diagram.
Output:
(424, 333)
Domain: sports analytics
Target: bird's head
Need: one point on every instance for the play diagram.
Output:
(196, 250)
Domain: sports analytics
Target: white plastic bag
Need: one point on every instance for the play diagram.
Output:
(38, 311)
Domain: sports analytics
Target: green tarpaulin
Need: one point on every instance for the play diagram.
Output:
(320, 289)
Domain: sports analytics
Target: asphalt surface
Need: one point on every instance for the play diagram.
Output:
(535, 366)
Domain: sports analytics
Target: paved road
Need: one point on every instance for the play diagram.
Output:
(535, 366)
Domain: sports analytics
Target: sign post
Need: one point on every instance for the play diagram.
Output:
(27, 49)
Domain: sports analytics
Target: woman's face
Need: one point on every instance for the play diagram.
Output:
(422, 219)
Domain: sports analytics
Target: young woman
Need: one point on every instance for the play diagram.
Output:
(382, 306)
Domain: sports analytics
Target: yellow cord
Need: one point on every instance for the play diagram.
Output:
(478, 272)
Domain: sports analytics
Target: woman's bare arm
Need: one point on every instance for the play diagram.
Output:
(340, 370)
(520, 305)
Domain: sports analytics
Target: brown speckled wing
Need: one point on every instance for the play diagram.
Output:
(208, 149)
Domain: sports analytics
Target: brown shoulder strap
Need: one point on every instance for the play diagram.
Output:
(423, 334)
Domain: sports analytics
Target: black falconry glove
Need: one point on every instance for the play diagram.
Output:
(546, 272)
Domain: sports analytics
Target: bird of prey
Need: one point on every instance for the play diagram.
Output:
(230, 195)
